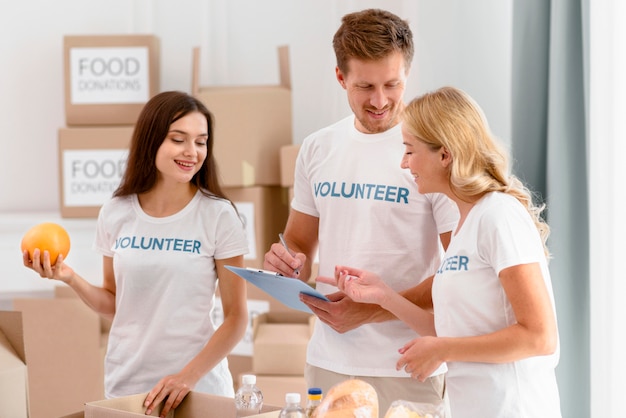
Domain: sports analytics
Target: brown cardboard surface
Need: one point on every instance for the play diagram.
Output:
(109, 113)
(251, 124)
(80, 414)
(239, 365)
(195, 405)
(62, 346)
(87, 139)
(280, 342)
(270, 215)
(13, 370)
(274, 388)
(288, 155)
(63, 291)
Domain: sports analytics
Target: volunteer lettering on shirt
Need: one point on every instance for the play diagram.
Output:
(454, 263)
(362, 191)
(158, 244)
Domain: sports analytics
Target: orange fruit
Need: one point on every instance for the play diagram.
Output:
(49, 237)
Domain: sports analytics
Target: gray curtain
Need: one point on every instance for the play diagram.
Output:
(548, 145)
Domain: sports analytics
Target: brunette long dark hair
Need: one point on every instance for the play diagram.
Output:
(150, 131)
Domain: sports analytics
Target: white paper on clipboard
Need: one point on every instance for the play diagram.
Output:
(284, 289)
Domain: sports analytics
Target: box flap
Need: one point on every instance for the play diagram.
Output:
(283, 66)
(62, 346)
(195, 72)
(195, 404)
(11, 326)
(274, 334)
(127, 406)
(287, 317)
(284, 69)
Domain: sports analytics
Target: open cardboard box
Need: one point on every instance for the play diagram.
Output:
(252, 123)
(62, 349)
(280, 342)
(274, 387)
(195, 405)
(13, 371)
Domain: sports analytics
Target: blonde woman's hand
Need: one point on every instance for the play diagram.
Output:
(359, 285)
(421, 357)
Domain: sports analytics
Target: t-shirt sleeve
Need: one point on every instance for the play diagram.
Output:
(303, 200)
(445, 212)
(102, 241)
(508, 237)
(230, 234)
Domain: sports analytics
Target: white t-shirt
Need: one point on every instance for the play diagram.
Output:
(165, 285)
(371, 217)
(469, 300)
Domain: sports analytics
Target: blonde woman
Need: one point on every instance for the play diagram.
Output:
(493, 319)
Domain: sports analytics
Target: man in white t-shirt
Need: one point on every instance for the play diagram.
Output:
(354, 204)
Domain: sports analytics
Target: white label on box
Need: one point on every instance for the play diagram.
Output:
(246, 211)
(255, 308)
(91, 176)
(109, 75)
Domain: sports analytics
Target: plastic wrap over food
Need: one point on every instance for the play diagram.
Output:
(406, 409)
(352, 398)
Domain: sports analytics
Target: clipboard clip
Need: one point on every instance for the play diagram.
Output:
(273, 273)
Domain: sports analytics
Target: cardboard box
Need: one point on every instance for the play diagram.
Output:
(274, 388)
(280, 342)
(244, 346)
(13, 371)
(264, 210)
(109, 78)
(288, 156)
(91, 164)
(238, 366)
(195, 405)
(105, 323)
(251, 124)
(62, 348)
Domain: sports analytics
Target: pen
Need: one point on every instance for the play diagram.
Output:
(282, 241)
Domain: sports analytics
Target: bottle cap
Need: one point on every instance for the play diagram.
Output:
(315, 391)
(248, 379)
(292, 398)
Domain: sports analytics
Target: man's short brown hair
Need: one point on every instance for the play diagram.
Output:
(372, 34)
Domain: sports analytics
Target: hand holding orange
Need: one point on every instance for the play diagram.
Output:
(49, 237)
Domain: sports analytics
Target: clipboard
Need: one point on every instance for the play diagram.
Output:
(284, 289)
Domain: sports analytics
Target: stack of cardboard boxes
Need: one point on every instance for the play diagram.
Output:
(59, 339)
(108, 80)
(252, 124)
(280, 342)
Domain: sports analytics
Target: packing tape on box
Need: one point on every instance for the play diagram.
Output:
(247, 173)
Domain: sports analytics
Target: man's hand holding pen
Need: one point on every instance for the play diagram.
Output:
(282, 260)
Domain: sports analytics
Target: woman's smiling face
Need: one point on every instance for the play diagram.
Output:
(184, 149)
(428, 166)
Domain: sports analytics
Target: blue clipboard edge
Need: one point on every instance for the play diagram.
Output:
(254, 275)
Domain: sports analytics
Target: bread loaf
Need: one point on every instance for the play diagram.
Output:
(352, 398)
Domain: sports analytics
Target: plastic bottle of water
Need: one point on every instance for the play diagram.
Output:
(292, 408)
(248, 398)
(314, 398)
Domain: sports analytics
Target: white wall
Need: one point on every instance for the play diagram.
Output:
(466, 44)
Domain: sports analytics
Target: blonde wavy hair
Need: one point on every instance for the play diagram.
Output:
(450, 118)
